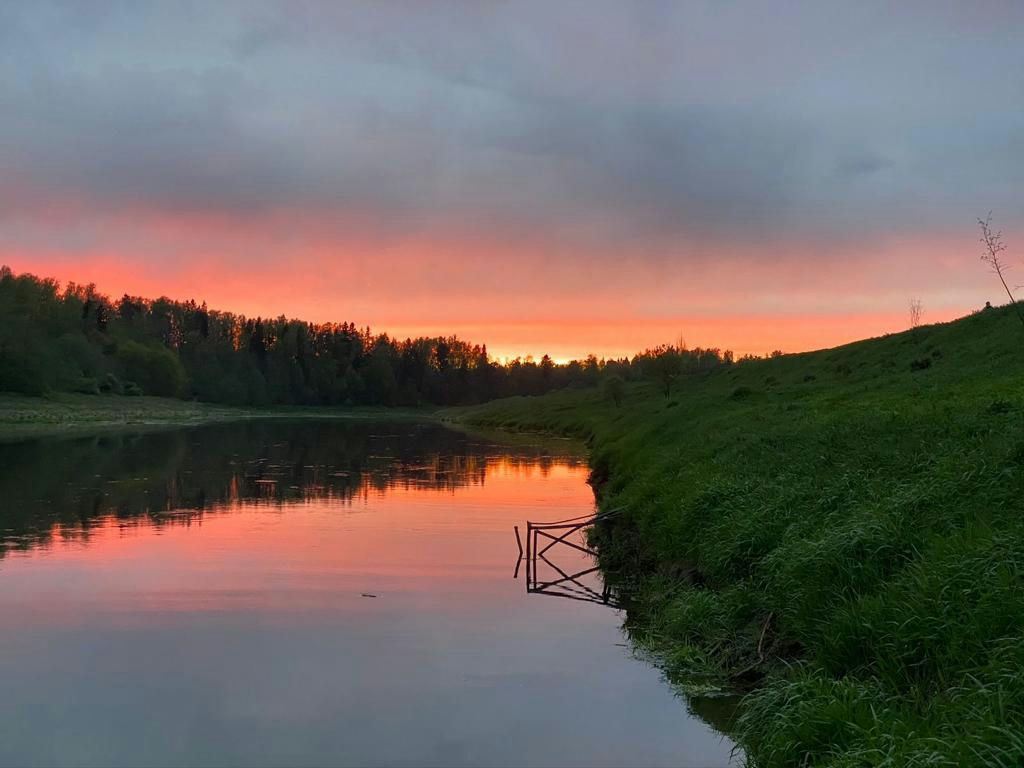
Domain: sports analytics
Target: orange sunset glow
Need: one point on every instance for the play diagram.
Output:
(378, 541)
(602, 210)
(612, 307)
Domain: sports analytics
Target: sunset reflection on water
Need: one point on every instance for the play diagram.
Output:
(313, 593)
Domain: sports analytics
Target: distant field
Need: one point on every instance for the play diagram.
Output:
(22, 416)
(840, 531)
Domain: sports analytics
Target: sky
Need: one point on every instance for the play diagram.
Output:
(563, 178)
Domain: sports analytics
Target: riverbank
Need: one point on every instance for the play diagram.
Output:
(838, 531)
(69, 414)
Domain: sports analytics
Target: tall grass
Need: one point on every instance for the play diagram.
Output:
(845, 539)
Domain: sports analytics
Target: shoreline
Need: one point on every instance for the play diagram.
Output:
(77, 415)
(835, 532)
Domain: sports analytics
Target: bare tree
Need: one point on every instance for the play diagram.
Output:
(994, 245)
(915, 313)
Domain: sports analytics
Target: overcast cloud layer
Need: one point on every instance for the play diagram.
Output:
(653, 135)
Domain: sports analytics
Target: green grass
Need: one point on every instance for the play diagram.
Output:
(24, 417)
(841, 532)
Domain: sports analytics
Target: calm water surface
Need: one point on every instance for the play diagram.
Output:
(311, 593)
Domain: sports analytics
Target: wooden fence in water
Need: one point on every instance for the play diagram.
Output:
(541, 538)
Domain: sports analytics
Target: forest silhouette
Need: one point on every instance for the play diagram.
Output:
(75, 339)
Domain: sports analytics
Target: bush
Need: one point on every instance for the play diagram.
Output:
(614, 389)
(23, 364)
(78, 358)
(87, 386)
(999, 406)
(112, 384)
(20, 374)
(156, 369)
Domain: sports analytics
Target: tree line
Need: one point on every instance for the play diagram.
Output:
(75, 339)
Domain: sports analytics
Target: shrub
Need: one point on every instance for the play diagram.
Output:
(999, 406)
(614, 389)
(112, 384)
(157, 369)
(21, 374)
(87, 386)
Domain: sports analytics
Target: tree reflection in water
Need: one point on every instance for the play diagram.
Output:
(66, 486)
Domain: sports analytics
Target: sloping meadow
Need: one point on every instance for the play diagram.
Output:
(839, 534)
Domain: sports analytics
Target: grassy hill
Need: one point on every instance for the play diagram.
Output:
(840, 532)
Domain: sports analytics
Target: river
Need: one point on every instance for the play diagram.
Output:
(313, 593)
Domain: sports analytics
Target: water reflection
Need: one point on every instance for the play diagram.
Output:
(170, 478)
(199, 597)
(580, 578)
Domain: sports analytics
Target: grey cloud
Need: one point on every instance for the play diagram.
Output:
(861, 165)
(746, 120)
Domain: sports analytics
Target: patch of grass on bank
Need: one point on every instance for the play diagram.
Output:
(23, 417)
(842, 531)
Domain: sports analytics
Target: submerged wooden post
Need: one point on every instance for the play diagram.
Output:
(529, 560)
(535, 545)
